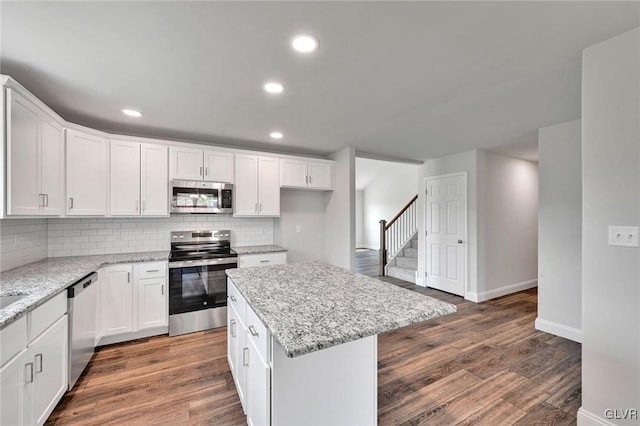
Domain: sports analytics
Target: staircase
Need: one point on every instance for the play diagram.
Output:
(405, 265)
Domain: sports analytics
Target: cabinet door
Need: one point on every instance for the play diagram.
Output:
(320, 175)
(269, 186)
(242, 363)
(49, 352)
(117, 300)
(86, 164)
(245, 189)
(23, 172)
(125, 178)
(13, 377)
(232, 340)
(51, 165)
(258, 388)
(185, 163)
(218, 166)
(154, 184)
(293, 173)
(152, 303)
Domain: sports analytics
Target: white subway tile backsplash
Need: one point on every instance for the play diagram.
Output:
(22, 241)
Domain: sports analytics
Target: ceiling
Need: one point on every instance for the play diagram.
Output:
(414, 80)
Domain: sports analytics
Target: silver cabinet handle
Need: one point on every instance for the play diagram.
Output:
(38, 364)
(259, 207)
(245, 357)
(206, 171)
(233, 327)
(70, 203)
(153, 270)
(46, 200)
(459, 241)
(233, 298)
(309, 178)
(162, 289)
(256, 208)
(128, 277)
(28, 368)
(264, 261)
(253, 331)
(200, 171)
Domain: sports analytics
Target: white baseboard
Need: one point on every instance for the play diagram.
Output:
(368, 246)
(586, 418)
(502, 291)
(558, 329)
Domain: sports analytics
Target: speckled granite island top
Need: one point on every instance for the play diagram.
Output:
(42, 280)
(312, 306)
(258, 249)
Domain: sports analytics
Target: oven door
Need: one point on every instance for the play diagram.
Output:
(198, 285)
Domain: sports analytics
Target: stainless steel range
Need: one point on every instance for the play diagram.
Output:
(197, 280)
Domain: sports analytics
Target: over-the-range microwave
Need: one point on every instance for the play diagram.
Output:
(192, 196)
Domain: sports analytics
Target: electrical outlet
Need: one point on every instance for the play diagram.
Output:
(298, 228)
(623, 236)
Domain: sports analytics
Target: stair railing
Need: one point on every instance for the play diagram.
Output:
(395, 234)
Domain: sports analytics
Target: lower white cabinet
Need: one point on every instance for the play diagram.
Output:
(34, 380)
(263, 259)
(258, 395)
(132, 298)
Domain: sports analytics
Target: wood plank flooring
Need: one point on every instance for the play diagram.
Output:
(484, 365)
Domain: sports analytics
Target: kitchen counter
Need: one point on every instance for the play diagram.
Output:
(258, 249)
(312, 306)
(42, 280)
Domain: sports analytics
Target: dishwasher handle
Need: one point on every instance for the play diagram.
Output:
(81, 285)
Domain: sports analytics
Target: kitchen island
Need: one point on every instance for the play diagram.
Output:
(303, 340)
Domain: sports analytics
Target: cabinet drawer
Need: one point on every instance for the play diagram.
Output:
(235, 299)
(251, 260)
(151, 270)
(257, 333)
(13, 339)
(44, 316)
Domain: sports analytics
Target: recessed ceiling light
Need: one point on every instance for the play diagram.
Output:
(276, 135)
(304, 43)
(131, 112)
(273, 87)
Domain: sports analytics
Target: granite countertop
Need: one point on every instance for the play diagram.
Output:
(258, 249)
(312, 306)
(42, 280)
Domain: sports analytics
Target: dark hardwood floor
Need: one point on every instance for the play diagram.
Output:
(484, 365)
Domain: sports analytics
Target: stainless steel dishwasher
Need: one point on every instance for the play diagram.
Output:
(82, 301)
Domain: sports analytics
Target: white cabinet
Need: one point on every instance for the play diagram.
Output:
(36, 378)
(34, 159)
(257, 187)
(237, 350)
(86, 164)
(116, 300)
(139, 183)
(258, 387)
(310, 174)
(133, 298)
(232, 338)
(198, 164)
(49, 352)
(263, 259)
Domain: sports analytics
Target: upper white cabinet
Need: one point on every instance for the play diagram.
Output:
(309, 174)
(139, 183)
(86, 174)
(257, 188)
(198, 164)
(35, 158)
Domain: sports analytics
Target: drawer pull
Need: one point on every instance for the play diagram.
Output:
(233, 298)
(233, 327)
(264, 261)
(28, 369)
(38, 363)
(245, 357)
(153, 270)
(253, 331)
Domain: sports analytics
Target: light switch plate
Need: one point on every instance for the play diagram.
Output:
(623, 236)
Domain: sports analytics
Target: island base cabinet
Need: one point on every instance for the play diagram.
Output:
(258, 388)
(336, 386)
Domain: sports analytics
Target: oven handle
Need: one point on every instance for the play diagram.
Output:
(204, 262)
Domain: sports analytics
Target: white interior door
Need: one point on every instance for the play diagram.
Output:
(446, 212)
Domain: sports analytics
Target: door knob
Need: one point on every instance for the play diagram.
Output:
(459, 241)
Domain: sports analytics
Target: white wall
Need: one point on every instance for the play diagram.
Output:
(340, 235)
(396, 184)
(466, 161)
(560, 231)
(610, 196)
(77, 237)
(359, 218)
(22, 241)
(307, 210)
(507, 225)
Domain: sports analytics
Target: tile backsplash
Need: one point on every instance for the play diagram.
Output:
(77, 237)
(22, 241)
